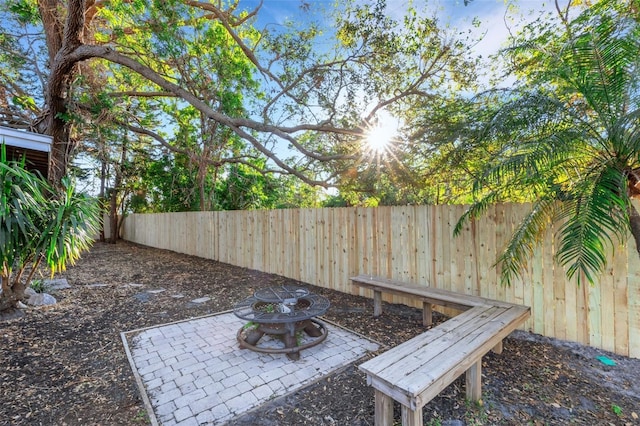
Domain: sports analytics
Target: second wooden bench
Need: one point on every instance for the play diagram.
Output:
(430, 296)
(417, 370)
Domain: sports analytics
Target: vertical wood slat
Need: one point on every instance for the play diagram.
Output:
(413, 244)
(559, 310)
(384, 231)
(570, 313)
(456, 249)
(582, 313)
(470, 259)
(337, 254)
(312, 247)
(633, 291)
(502, 235)
(536, 321)
(366, 250)
(423, 246)
(350, 266)
(398, 248)
(445, 260)
(620, 303)
(607, 315)
(328, 238)
(489, 253)
(595, 334)
(438, 255)
(548, 301)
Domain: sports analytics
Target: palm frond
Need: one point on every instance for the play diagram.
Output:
(526, 237)
(599, 212)
(601, 64)
(72, 229)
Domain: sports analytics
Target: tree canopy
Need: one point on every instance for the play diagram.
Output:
(566, 137)
(201, 79)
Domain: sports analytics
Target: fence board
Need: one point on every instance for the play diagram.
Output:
(536, 320)
(607, 316)
(633, 283)
(423, 243)
(438, 249)
(559, 310)
(457, 249)
(549, 287)
(595, 331)
(325, 234)
(503, 231)
(621, 301)
(570, 310)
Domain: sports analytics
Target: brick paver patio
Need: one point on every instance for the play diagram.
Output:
(193, 372)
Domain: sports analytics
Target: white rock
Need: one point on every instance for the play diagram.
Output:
(21, 305)
(96, 285)
(57, 284)
(29, 292)
(41, 299)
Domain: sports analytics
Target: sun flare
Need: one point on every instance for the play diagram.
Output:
(381, 135)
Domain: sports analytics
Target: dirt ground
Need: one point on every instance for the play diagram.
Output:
(66, 365)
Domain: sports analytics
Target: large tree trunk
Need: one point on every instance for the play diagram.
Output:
(63, 33)
(117, 190)
(102, 194)
(61, 148)
(202, 176)
(11, 294)
(633, 182)
(634, 221)
(113, 216)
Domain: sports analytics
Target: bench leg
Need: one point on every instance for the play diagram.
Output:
(474, 382)
(384, 409)
(411, 417)
(497, 348)
(427, 314)
(377, 303)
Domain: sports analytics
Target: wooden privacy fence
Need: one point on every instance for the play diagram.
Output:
(414, 244)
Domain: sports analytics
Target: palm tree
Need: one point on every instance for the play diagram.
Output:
(38, 224)
(569, 138)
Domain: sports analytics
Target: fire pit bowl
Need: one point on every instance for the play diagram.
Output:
(285, 312)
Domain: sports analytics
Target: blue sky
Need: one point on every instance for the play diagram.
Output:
(496, 16)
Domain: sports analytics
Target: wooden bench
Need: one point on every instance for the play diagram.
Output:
(415, 371)
(430, 296)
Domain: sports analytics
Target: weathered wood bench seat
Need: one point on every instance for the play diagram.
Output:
(417, 370)
(430, 296)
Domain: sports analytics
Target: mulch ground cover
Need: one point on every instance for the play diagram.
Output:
(65, 364)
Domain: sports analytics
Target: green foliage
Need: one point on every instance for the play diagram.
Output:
(169, 184)
(26, 11)
(250, 326)
(616, 410)
(37, 223)
(24, 101)
(568, 139)
(204, 88)
(38, 286)
(140, 417)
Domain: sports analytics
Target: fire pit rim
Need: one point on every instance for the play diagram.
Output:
(318, 305)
